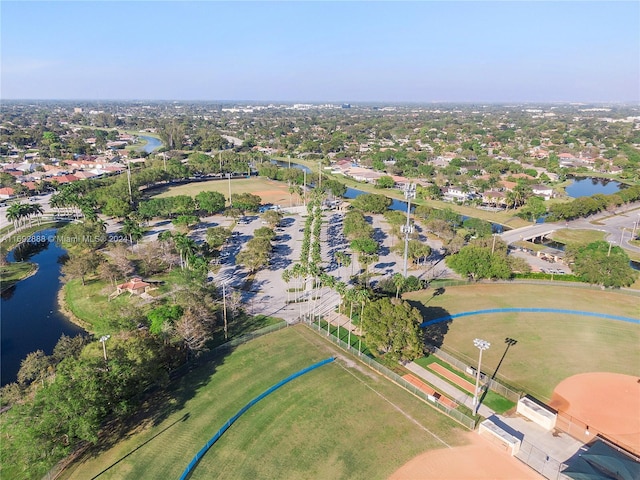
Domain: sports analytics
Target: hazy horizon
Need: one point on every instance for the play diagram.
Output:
(323, 52)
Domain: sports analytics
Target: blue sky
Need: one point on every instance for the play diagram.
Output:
(425, 51)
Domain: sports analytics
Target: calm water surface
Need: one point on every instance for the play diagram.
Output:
(585, 187)
(152, 143)
(30, 317)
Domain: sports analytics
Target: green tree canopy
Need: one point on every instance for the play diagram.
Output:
(165, 314)
(385, 182)
(392, 328)
(247, 202)
(601, 264)
(371, 202)
(211, 202)
(478, 262)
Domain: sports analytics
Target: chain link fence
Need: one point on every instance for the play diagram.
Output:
(495, 386)
(541, 462)
(394, 377)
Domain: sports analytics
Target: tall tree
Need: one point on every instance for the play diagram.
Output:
(392, 328)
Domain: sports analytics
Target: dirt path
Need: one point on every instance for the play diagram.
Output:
(479, 460)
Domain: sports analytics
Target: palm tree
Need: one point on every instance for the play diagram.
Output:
(132, 229)
(343, 259)
(341, 288)
(36, 209)
(186, 247)
(398, 281)
(352, 297)
(14, 214)
(362, 295)
(286, 276)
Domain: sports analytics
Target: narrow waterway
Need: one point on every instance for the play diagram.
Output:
(152, 144)
(30, 317)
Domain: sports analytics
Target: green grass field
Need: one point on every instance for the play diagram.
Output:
(13, 272)
(270, 191)
(491, 399)
(567, 235)
(91, 305)
(340, 421)
(551, 347)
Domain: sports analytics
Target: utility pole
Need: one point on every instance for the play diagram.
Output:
(129, 181)
(224, 309)
(230, 202)
(409, 193)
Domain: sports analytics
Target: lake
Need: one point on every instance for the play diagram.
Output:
(585, 187)
(30, 317)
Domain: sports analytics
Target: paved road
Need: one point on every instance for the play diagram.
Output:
(618, 226)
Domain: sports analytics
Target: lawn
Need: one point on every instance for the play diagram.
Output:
(90, 303)
(550, 347)
(270, 191)
(566, 235)
(491, 399)
(13, 272)
(339, 421)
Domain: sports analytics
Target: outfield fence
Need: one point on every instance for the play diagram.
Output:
(493, 385)
(196, 459)
(394, 377)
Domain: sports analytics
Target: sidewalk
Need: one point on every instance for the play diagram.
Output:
(448, 389)
(557, 445)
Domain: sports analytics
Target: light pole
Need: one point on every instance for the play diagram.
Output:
(609, 252)
(481, 345)
(409, 193)
(622, 235)
(224, 309)
(635, 226)
(103, 341)
(230, 202)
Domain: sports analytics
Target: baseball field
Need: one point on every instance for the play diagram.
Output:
(550, 347)
(340, 421)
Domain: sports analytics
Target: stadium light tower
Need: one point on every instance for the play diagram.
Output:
(409, 193)
(481, 345)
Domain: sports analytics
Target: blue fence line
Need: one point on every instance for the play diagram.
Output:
(529, 310)
(230, 422)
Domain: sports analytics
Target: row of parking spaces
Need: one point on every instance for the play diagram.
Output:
(553, 270)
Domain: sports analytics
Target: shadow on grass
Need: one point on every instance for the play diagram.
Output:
(159, 403)
(184, 418)
(433, 334)
(510, 343)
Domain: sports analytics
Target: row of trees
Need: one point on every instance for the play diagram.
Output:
(21, 213)
(585, 206)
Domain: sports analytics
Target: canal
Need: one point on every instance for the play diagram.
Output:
(30, 317)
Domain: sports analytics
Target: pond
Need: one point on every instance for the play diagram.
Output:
(585, 187)
(30, 317)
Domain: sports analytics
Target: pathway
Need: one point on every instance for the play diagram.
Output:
(557, 445)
